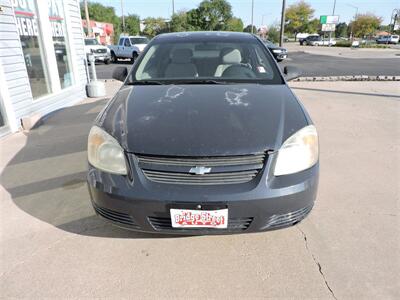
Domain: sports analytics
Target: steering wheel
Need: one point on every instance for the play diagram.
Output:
(238, 71)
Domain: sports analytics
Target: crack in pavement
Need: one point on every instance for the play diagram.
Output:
(316, 262)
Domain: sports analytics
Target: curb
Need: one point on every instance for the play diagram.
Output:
(349, 78)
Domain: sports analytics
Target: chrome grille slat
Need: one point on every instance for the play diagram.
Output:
(209, 162)
(211, 175)
(224, 170)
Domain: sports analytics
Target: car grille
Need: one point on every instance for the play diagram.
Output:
(233, 224)
(101, 51)
(116, 217)
(287, 219)
(224, 169)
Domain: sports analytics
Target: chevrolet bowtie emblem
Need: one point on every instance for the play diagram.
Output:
(199, 170)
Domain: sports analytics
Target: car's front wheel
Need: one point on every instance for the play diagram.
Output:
(134, 56)
(114, 58)
(107, 61)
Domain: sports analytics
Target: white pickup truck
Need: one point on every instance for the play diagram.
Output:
(128, 47)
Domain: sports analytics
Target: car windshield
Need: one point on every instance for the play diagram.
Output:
(206, 61)
(142, 40)
(91, 42)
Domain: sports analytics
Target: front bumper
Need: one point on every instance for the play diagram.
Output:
(265, 203)
(281, 56)
(102, 57)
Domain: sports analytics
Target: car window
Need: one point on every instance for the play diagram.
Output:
(121, 42)
(127, 44)
(91, 42)
(236, 61)
(143, 40)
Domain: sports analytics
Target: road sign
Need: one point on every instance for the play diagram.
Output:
(329, 19)
(328, 27)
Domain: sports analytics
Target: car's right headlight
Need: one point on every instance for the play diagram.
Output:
(105, 153)
(298, 153)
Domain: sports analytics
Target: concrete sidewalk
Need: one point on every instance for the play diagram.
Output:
(52, 245)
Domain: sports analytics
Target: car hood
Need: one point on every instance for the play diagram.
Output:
(202, 120)
(94, 47)
(141, 46)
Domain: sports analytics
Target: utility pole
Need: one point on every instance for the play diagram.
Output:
(282, 23)
(352, 23)
(89, 28)
(252, 16)
(394, 17)
(333, 13)
(123, 16)
(173, 7)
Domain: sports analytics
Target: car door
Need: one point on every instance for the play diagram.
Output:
(120, 48)
(127, 48)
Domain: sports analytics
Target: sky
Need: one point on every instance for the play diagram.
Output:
(267, 10)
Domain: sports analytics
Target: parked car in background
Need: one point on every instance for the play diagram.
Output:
(128, 47)
(279, 53)
(304, 36)
(204, 137)
(388, 39)
(100, 52)
(316, 40)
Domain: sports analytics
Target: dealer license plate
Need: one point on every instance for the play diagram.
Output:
(188, 218)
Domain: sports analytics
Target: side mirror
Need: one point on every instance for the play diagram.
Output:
(291, 73)
(120, 73)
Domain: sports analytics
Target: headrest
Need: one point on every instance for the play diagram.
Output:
(181, 56)
(231, 56)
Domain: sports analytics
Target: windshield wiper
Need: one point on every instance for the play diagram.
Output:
(145, 82)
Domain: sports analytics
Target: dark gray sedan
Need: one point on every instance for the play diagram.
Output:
(204, 137)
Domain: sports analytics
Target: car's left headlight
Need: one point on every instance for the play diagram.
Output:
(298, 153)
(277, 51)
(105, 153)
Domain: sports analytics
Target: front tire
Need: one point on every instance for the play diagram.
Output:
(134, 57)
(114, 58)
(107, 61)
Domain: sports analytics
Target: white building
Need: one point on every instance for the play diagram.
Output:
(41, 59)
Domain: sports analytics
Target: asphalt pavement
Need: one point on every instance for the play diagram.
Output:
(320, 61)
(53, 246)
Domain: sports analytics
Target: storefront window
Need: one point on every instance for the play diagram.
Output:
(57, 21)
(27, 24)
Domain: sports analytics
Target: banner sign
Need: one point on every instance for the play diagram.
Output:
(329, 19)
(328, 27)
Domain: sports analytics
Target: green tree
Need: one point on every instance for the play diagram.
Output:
(248, 29)
(106, 14)
(312, 26)
(210, 15)
(100, 13)
(365, 25)
(273, 33)
(341, 30)
(235, 24)
(132, 24)
(179, 22)
(154, 26)
(298, 17)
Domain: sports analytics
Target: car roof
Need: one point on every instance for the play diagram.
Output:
(204, 35)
